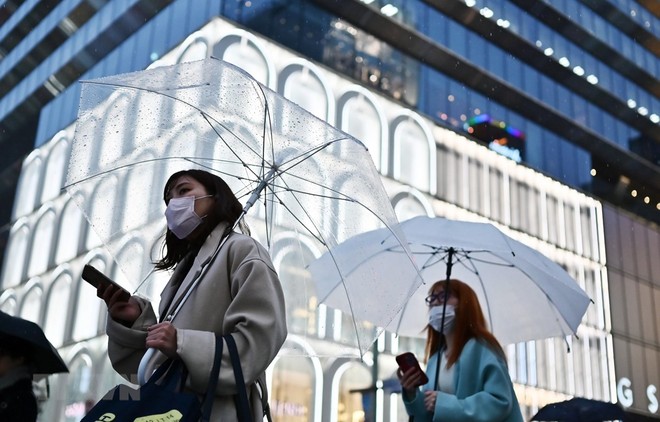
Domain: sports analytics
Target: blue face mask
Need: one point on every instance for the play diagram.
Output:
(181, 216)
(435, 318)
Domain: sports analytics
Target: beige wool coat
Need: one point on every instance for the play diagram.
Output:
(240, 294)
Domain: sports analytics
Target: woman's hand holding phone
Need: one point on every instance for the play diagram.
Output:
(410, 373)
(120, 309)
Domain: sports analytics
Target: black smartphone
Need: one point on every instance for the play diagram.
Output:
(96, 277)
(408, 360)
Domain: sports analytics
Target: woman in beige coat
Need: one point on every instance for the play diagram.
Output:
(239, 294)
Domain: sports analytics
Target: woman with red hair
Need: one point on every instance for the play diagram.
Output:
(468, 379)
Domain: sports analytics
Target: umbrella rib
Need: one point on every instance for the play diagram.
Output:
(104, 172)
(323, 242)
(207, 117)
(305, 155)
(481, 282)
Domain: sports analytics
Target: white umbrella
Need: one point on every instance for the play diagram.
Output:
(524, 295)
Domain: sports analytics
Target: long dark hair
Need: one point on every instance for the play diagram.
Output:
(470, 323)
(226, 209)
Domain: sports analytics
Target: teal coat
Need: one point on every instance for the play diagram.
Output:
(484, 392)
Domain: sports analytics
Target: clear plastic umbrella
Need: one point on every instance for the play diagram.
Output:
(523, 294)
(312, 185)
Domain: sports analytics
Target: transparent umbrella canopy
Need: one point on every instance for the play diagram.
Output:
(306, 185)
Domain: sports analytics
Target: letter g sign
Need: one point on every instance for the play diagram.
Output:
(624, 393)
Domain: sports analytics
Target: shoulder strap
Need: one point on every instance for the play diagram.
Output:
(213, 381)
(241, 399)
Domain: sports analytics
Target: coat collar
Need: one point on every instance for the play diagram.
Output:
(202, 259)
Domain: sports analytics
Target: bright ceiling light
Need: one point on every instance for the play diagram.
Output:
(643, 111)
(631, 103)
(578, 70)
(389, 10)
(470, 3)
(592, 79)
(654, 118)
(564, 62)
(486, 12)
(548, 51)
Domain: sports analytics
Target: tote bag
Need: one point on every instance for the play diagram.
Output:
(160, 399)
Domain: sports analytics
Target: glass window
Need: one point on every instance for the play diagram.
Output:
(42, 244)
(79, 382)
(17, 255)
(594, 311)
(298, 287)
(87, 308)
(8, 304)
(587, 227)
(245, 54)
(560, 364)
(647, 311)
(28, 188)
(543, 364)
(69, 232)
(351, 406)
(31, 305)
(518, 203)
(496, 194)
(100, 211)
(553, 219)
(132, 258)
(598, 362)
(292, 395)
(304, 87)
(56, 321)
(579, 374)
(532, 375)
(359, 118)
(521, 363)
(476, 188)
(407, 206)
(196, 50)
(411, 146)
(142, 212)
(55, 169)
(116, 127)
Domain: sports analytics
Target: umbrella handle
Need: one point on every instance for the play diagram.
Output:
(142, 368)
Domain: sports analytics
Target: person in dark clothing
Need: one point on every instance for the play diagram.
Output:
(17, 400)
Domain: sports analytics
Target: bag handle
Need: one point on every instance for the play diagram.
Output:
(241, 399)
(213, 381)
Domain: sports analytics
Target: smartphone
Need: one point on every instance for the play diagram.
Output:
(408, 360)
(96, 277)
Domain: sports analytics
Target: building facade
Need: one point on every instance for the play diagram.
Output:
(423, 129)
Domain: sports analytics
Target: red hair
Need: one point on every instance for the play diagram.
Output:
(470, 323)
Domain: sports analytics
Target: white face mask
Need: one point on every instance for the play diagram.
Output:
(435, 318)
(181, 217)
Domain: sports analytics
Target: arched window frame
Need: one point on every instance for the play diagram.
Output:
(17, 253)
(29, 185)
(310, 70)
(247, 40)
(54, 309)
(396, 148)
(354, 92)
